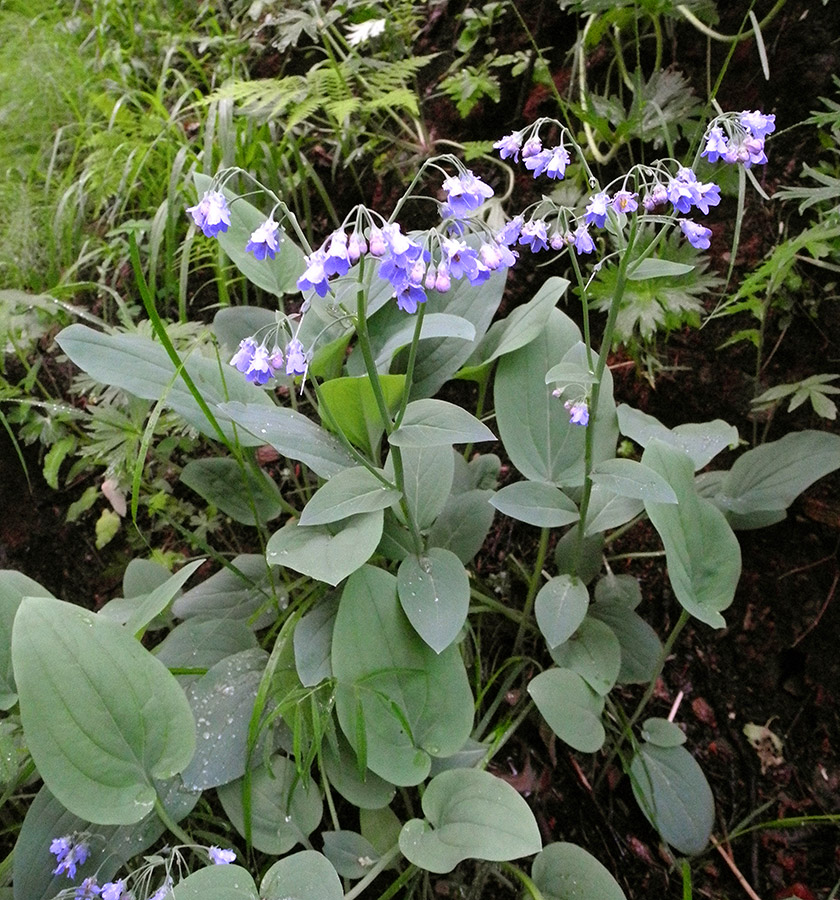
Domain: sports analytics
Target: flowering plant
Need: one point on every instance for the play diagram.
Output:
(334, 666)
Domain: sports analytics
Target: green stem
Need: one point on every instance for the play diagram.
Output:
(640, 708)
(382, 863)
(170, 823)
(533, 891)
(533, 586)
(412, 360)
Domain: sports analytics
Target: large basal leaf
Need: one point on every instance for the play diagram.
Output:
(471, 815)
(435, 325)
(326, 552)
(434, 592)
(675, 797)
(701, 441)
(365, 790)
(565, 871)
(285, 809)
(534, 425)
(278, 276)
(398, 702)
(103, 717)
(291, 434)
(570, 707)
(200, 643)
(222, 702)
(432, 423)
(13, 588)
(215, 883)
(428, 473)
(542, 505)
(143, 368)
(351, 491)
(702, 552)
(307, 875)
(222, 482)
(560, 607)
(114, 845)
(771, 476)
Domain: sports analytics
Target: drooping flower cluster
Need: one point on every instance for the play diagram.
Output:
(211, 214)
(739, 138)
(550, 161)
(258, 364)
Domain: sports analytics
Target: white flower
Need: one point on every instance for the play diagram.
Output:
(364, 31)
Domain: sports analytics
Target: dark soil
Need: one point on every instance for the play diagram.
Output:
(776, 664)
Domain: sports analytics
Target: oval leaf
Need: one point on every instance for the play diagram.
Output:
(629, 478)
(102, 716)
(307, 875)
(430, 423)
(220, 482)
(348, 492)
(542, 505)
(567, 872)
(471, 815)
(570, 707)
(594, 653)
(560, 607)
(215, 883)
(434, 592)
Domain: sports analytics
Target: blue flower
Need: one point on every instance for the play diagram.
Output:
(758, 124)
(296, 362)
(337, 259)
(264, 240)
(684, 189)
(113, 890)
(494, 255)
(534, 235)
(259, 369)
(465, 192)
(716, 145)
(698, 236)
(707, 195)
(461, 260)
(596, 210)
(443, 280)
(314, 278)
(511, 231)
(624, 202)
(552, 162)
(578, 412)
(410, 296)
(532, 147)
(69, 853)
(211, 213)
(89, 889)
(163, 890)
(655, 197)
(221, 857)
(583, 240)
(241, 360)
(356, 247)
(509, 146)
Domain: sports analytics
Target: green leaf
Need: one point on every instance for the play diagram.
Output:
(222, 702)
(350, 854)
(285, 808)
(307, 875)
(364, 790)
(292, 435)
(102, 716)
(702, 442)
(533, 424)
(326, 552)
(434, 592)
(523, 324)
(702, 552)
(407, 701)
(674, 796)
(771, 476)
(150, 606)
(641, 648)
(572, 369)
(222, 482)
(348, 492)
(565, 871)
(428, 473)
(471, 815)
(238, 592)
(463, 524)
(278, 276)
(538, 504)
(594, 653)
(435, 325)
(352, 404)
(313, 642)
(200, 643)
(431, 423)
(560, 607)
(13, 588)
(657, 268)
(629, 478)
(570, 707)
(215, 883)
(609, 510)
(143, 368)
(662, 733)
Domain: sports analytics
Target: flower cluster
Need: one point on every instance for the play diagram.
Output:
(69, 853)
(258, 364)
(744, 142)
(550, 161)
(211, 214)
(111, 890)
